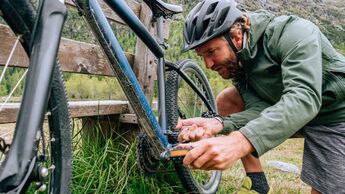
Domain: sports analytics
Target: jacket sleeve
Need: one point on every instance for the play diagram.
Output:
(253, 106)
(301, 68)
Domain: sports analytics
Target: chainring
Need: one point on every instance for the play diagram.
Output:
(146, 161)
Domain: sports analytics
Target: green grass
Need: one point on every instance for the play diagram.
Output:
(281, 182)
(109, 166)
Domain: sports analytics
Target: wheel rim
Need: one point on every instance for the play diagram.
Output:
(191, 105)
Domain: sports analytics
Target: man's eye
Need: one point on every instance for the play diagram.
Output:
(211, 52)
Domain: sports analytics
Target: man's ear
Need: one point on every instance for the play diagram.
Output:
(246, 22)
(237, 38)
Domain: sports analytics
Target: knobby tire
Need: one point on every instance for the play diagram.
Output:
(58, 118)
(173, 102)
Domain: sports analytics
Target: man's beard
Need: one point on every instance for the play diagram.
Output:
(227, 69)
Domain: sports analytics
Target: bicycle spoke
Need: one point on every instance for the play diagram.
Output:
(13, 90)
(195, 96)
(191, 106)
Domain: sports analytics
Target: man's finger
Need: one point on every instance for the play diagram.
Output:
(199, 133)
(187, 122)
(193, 154)
(192, 135)
(186, 145)
(207, 165)
(186, 136)
(178, 125)
(180, 137)
(207, 134)
(202, 160)
(192, 132)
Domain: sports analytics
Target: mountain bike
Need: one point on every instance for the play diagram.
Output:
(183, 89)
(39, 155)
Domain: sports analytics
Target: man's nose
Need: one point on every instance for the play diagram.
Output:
(209, 63)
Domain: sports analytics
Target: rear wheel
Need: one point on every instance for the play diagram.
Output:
(52, 170)
(182, 102)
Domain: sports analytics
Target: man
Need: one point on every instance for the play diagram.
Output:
(286, 77)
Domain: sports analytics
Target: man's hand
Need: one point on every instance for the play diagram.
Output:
(217, 153)
(195, 129)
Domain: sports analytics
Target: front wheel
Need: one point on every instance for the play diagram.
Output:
(181, 103)
(51, 149)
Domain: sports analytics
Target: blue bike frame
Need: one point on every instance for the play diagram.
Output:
(123, 71)
(102, 30)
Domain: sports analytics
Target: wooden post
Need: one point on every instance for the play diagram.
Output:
(144, 61)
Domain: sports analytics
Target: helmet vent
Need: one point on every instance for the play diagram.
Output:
(222, 16)
(194, 22)
(211, 8)
(205, 24)
(194, 35)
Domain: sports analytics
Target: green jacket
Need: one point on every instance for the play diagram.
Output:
(292, 77)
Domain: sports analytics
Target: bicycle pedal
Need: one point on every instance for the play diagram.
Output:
(174, 154)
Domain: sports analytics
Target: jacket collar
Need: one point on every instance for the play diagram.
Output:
(259, 21)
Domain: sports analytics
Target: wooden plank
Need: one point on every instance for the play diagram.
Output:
(77, 109)
(9, 113)
(74, 56)
(85, 58)
(128, 118)
(7, 37)
(109, 13)
(93, 108)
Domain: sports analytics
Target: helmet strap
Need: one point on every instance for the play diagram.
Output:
(244, 39)
(232, 46)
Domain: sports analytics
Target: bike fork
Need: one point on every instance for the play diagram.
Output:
(20, 161)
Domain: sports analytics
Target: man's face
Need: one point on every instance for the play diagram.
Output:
(219, 57)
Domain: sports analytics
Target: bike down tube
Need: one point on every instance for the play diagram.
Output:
(35, 98)
(127, 15)
(124, 73)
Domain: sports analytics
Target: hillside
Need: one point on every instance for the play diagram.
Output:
(329, 15)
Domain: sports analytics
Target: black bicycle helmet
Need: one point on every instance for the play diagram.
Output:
(207, 20)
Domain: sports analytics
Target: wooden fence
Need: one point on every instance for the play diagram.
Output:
(84, 58)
